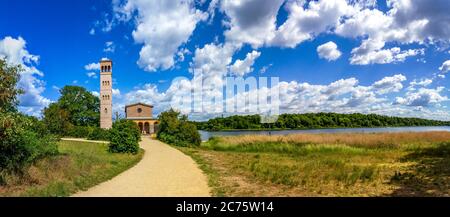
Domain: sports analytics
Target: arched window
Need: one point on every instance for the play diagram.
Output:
(109, 68)
(106, 110)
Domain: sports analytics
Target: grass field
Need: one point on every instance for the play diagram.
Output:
(79, 166)
(344, 164)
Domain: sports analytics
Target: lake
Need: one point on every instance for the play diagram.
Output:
(205, 135)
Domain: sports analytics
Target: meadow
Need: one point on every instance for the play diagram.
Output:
(341, 164)
(79, 166)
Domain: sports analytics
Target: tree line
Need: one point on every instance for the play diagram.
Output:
(314, 120)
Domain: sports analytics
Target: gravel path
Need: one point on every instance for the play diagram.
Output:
(163, 171)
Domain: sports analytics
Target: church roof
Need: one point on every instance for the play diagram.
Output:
(139, 103)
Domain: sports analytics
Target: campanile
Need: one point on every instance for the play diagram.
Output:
(105, 94)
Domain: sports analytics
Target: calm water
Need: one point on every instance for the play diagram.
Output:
(206, 135)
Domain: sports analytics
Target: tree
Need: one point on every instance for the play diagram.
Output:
(9, 76)
(175, 129)
(82, 106)
(76, 108)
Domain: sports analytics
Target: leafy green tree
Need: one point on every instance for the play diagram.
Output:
(9, 76)
(82, 106)
(74, 112)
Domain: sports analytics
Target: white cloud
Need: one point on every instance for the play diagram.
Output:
(91, 74)
(162, 27)
(95, 93)
(329, 51)
(250, 21)
(305, 21)
(423, 97)
(389, 84)
(15, 52)
(371, 52)
(116, 92)
(445, 67)
(242, 67)
(420, 83)
(92, 66)
(109, 47)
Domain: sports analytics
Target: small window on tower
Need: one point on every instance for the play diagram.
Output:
(106, 110)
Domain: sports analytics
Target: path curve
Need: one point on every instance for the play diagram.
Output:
(163, 171)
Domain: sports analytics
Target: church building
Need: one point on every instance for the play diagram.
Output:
(141, 114)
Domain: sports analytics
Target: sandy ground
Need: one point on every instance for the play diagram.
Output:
(163, 171)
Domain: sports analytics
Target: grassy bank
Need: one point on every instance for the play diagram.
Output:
(346, 164)
(79, 166)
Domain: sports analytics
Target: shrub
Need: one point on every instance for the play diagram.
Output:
(20, 145)
(98, 133)
(124, 137)
(175, 129)
(79, 131)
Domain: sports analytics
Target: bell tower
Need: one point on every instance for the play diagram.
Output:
(105, 94)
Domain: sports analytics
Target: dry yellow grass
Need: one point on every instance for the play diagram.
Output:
(341, 164)
(351, 139)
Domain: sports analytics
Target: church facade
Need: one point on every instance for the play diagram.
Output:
(140, 113)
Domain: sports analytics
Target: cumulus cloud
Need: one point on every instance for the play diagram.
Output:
(371, 52)
(420, 83)
(242, 67)
(343, 96)
(162, 27)
(405, 21)
(92, 66)
(445, 67)
(329, 51)
(306, 20)
(389, 84)
(424, 97)
(15, 52)
(250, 21)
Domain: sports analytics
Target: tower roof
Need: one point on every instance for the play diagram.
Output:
(105, 60)
(139, 103)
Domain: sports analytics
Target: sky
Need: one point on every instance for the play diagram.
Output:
(388, 57)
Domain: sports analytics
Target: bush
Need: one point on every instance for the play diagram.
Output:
(98, 133)
(79, 131)
(20, 144)
(175, 129)
(124, 137)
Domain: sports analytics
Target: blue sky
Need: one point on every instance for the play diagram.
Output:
(342, 56)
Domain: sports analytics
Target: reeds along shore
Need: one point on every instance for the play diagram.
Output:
(351, 139)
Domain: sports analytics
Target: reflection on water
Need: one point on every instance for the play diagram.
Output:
(206, 135)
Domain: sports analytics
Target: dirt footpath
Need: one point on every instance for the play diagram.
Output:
(163, 171)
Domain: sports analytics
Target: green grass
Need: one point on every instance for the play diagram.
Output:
(79, 166)
(242, 167)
